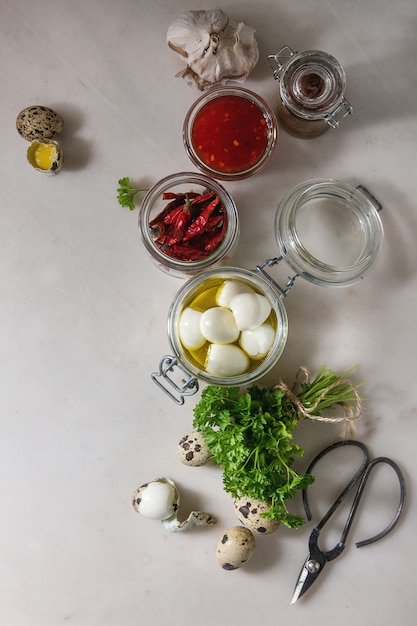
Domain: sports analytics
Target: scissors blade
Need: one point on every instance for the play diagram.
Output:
(309, 573)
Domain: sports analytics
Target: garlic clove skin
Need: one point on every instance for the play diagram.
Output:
(216, 48)
(193, 32)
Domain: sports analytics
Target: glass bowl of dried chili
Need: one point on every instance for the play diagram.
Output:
(230, 133)
(188, 223)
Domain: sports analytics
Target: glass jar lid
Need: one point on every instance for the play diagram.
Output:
(328, 231)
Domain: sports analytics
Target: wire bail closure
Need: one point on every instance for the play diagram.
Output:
(187, 385)
(270, 263)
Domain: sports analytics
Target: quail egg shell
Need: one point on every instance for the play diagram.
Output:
(192, 449)
(45, 156)
(157, 500)
(226, 360)
(218, 325)
(249, 511)
(189, 329)
(229, 289)
(257, 342)
(38, 122)
(235, 547)
(250, 310)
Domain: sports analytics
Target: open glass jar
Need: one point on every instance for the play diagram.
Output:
(230, 133)
(188, 223)
(311, 88)
(347, 235)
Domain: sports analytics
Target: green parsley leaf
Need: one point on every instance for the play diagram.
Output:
(126, 193)
(250, 436)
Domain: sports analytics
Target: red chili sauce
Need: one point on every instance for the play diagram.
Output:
(230, 134)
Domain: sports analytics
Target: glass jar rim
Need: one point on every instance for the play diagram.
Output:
(258, 282)
(217, 92)
(364, 213)
(193, 178)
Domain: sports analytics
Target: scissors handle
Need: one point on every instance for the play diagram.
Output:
(362, 475)
(349, 486)
(392, 524)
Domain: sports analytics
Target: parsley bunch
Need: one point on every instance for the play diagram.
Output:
(250, 436)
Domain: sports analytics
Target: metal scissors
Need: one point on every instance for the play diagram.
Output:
(317, 559)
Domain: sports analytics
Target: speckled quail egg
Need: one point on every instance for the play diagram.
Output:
(257, 342)
(38, 122)
(226, 360)
(235, 547)
(158, 499)
(218, 325)
(248, 511)
(229, 289)
(189, 329)
(45, 156)
(250, 310)
(192, 449)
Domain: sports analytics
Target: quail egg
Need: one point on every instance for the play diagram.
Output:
(226, 360)
(45, 156)
(218, 325)
(189, 329)
(235, 547)
(249, 511)
(257, 342)
(250, 310)
(229, 289)
(158, 499)
(38, 122)
(193, 450)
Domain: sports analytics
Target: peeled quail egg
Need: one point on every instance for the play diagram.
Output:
(250, 310)
(158, 499)
(235, 547)
(189, 329)
(218, 325)
(229, 289)
(192, 449)
(257, 342)
(45, 156)
(249, 511)
(226, 360)
(38, 122)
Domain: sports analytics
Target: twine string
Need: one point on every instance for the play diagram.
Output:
(351, 413)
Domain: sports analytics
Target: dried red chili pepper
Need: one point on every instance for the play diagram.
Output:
(198, 225)
(177, 200)
(185, 253)
(204, 197)
(191, 226)
(218, 238)
(166, 211)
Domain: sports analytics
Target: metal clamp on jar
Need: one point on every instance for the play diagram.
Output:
(229, 326)
(312, 86)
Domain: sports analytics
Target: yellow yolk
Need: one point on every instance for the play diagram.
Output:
(43, 156)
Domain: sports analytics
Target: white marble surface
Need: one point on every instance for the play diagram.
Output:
(83, 320)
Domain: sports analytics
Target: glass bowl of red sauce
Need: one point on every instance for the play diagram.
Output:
(188, 223)
(230, 133)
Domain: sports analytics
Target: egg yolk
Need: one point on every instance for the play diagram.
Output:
(43, 156)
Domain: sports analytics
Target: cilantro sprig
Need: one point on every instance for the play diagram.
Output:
(250, 436)
(126, 193)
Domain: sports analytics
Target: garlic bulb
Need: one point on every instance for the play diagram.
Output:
(216, 48)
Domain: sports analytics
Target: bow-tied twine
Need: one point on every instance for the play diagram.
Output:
(351, 413)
